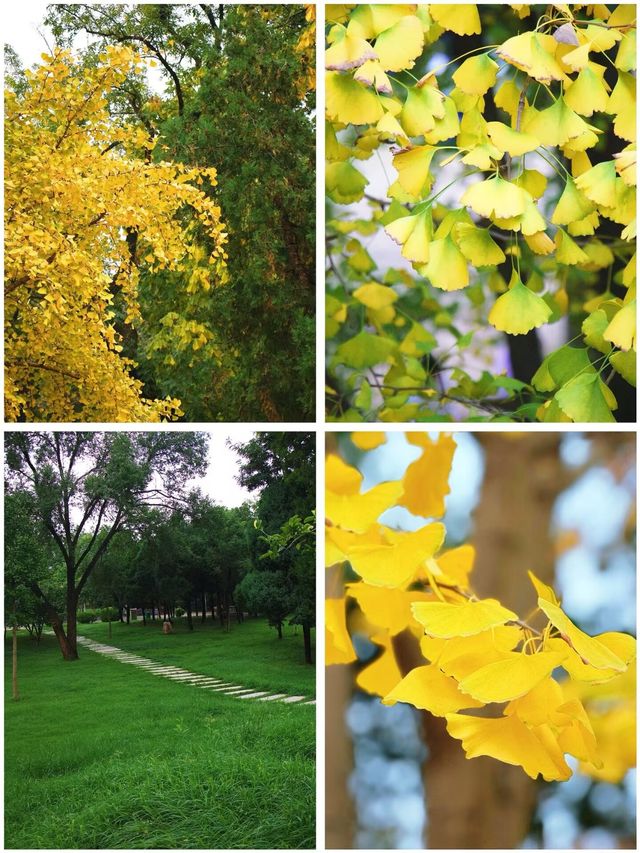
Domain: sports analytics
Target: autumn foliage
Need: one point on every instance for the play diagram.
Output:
(509, 192)
(86, 210)
(525, 689)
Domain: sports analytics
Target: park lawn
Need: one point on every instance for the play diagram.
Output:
(249, 654)
(99, 754)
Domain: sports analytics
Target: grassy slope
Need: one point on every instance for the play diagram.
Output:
(250, 654)
(102, 755)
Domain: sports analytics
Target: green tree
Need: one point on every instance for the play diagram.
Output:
(94, 483)
(282, 466)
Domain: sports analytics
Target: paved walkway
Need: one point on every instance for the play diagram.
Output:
(204, 682)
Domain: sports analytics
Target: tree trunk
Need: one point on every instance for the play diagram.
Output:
(14, 661)
(70, 648)
(128, 615)
(144, 618)
(483, 803)
(189, 615)
(339, 809)
(279, 629)
(109, 627)
(203, 618)
(306, 633)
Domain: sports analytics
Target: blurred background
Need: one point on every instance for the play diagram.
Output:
(562, 505)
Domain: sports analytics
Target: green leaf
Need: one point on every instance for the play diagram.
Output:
(582, 400)
(364, 350)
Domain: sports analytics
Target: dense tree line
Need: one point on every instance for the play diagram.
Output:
(104, 520)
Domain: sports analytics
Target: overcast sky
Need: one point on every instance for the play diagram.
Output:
(20, 30)
(220, 481)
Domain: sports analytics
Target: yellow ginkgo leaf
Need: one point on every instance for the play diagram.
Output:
(359, 512)
(544, 590)
(572, 205)
(413, 168)
(447, 268)
(399, 46)
(414, 234)
(509, 679)
(339, 648)
(368, 440)
(598, 184)
(442, 619)
(623, 646)
(429, 689)
(539, 705)
(371, 73)
(476, 75)
(459, 657)
(371, 19)
(426, 481)
(456, 564)
(386, 608)
(496, 197)
(508, 739)
(540, 243)
(381, 676)
(341, 478)
(375, 296)
(445, 127)
(350, 102)
(622, 103)
(621, 331)
(591, 651)
(460, 18)
(576, 736)
(567, 250)
(588, 93)
(512, 141)
(519, 310)
(477, 245)
(421, 109)
(556, 125)
(383, 558)
(626, 165)
(578, 58)
(507, 97)
(533, 53)
(347, 51)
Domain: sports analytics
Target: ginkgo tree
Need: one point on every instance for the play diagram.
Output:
(509, 190)
(525, 689)
(86, 209)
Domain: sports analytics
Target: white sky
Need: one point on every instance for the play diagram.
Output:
(220, 483)
(20, 27)
(24, 31)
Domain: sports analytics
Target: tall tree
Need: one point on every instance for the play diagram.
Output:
(94, 483)
(239, 98)
(87, 210)
(282, 466)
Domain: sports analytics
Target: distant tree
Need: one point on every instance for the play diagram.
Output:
(282, 466)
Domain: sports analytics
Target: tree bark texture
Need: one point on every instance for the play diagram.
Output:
(483, 803)
(339, 808)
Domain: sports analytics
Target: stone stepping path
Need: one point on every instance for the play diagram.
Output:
(194, 679)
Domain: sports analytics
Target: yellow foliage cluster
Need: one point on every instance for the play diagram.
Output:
(86, 207)
(477, 654)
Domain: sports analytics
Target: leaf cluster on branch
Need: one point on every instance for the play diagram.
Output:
(522, 694)
(513, 180)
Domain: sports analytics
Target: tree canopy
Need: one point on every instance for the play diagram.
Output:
(160, 244)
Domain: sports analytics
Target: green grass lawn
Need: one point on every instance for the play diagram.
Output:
(99, 754)
(250, 653)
